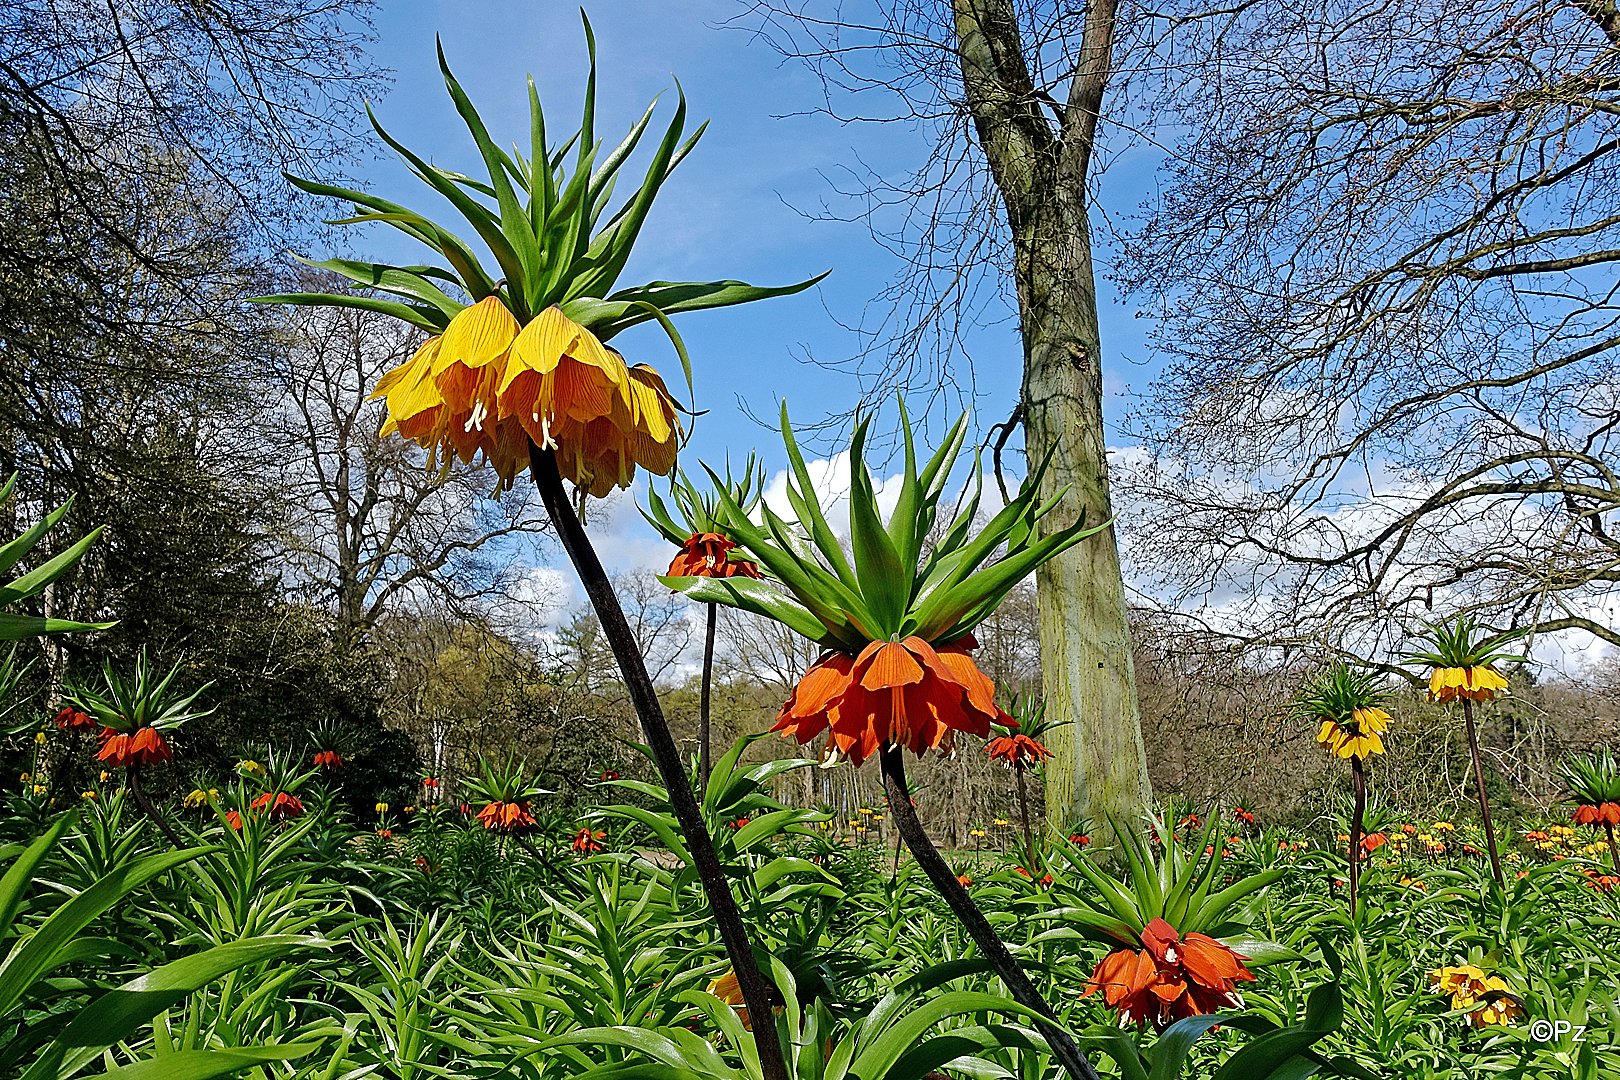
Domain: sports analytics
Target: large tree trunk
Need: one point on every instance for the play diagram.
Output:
(1040, 165)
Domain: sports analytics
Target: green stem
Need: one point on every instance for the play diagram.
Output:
(1358, 777)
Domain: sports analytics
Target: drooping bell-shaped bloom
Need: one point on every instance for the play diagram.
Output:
(708, 554)
(277, 805)
(1020, 751)
(143, 746)
(327, 759)
(1478, 683)
(587, 842)
(1602, 814)
(1359, 737)
(488, 386)
(1170, 978)
(506, 817)
(908, 693)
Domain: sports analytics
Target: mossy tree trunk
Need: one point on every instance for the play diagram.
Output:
(1040, 153)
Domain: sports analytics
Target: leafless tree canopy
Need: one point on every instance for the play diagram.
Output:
(366, 521)
(1382, 264)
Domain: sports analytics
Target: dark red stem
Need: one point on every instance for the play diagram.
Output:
(756, 991)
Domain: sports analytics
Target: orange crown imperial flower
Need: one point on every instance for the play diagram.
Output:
(707, 554)
(134, 710)
(506, 817)
(895, 613)
(144, 746)
(71, 719)
(587, 842)
(327, 759)
(1603, 814)
(277, 805)
(906, 693)
(1020, 751)
(1170, 978)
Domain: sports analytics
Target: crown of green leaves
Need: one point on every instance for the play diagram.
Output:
(1592, 779)
(1336, 693)
(140, 699)
(898, 579)
(542, 224)
(1463, 644)
(503, 781)
(697, 510)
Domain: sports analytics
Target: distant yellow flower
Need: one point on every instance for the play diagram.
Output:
(39, 789)
(1445, 826)
(25, 777)
(864, 811)
(248, 765)
(1001, 823)
(105, 776)
(40, 738)
(87, 794)
(382, 808)
(195, 798)
(980, 833)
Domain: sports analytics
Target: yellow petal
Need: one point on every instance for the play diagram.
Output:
(477, 335)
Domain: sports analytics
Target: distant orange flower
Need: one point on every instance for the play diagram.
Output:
(1373, 841)
(327, 759)
(908, 693)
(1046, 879)
(1603, 814)
(587, 842)
(71, 719)
(143, 746)
(280, 805)
(1170, 978)
(708, 554)
(963, 880)
(1020, 751)
(505, 817)
(1079, 839)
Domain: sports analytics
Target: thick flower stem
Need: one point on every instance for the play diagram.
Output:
(1023, 813)
(1479, 784)
(1614, 851)
(1358, 776)
(978, 927)
(756, 991)
(703, 700)
(148, 809)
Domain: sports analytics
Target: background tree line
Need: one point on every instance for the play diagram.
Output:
(1379, 265)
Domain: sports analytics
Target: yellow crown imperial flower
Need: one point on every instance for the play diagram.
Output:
(1345, 704)
(524, 366)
